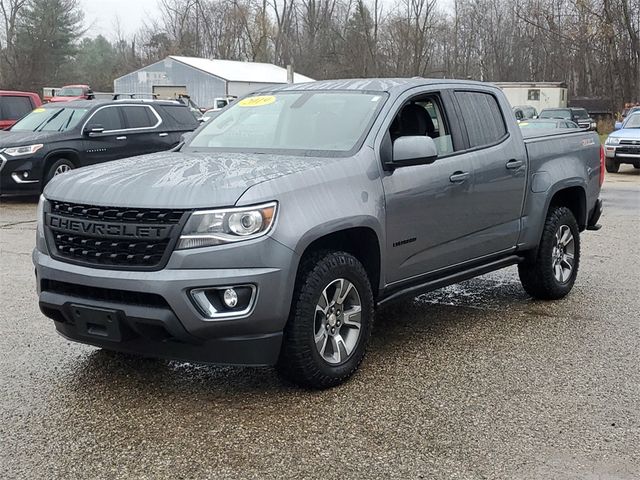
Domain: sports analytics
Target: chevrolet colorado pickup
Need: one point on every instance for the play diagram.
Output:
(274, 232)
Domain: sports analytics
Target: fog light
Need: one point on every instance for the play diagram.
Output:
(25, 174)
(230, 298)
(224, 302)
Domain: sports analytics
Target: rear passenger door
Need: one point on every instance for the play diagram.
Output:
(142, 123)
(499, 164)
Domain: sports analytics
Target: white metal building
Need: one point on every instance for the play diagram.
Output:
(203, 79)
(537, 94)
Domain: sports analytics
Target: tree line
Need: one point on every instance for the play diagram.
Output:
(592, 45)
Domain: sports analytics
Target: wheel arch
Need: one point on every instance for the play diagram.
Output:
(362, 242)
(56, 155)
(575, 199)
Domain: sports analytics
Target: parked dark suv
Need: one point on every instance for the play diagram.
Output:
(56, 138)
(576, 115)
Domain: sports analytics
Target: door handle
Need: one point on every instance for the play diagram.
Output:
(121, 138)
(514, 164)
(163, 135)
(459, 177)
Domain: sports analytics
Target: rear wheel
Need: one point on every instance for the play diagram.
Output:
(552, 273)
(59, 167)
(330, 321)
(612, 166)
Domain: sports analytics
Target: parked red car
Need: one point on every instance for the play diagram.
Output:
(69, 93)
(15, 105)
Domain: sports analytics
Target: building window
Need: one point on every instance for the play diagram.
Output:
(533, 94)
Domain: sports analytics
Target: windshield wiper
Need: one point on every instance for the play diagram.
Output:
(40, 127)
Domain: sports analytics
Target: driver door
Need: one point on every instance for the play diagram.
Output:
(112, 143)
(428, 215)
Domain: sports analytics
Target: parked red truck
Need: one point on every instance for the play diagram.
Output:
(69, 93)
(15, 105)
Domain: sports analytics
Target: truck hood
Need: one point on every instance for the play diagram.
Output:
(175, 179)
(65, 99)
(630, 133)
(17, 139)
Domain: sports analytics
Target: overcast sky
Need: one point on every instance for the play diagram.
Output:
(101, 15)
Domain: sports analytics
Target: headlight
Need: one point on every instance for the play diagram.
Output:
(27, 150)
(613, 141)
(41, 244)
(217, 227)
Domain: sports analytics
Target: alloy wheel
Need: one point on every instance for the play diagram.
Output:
(562, 255)
(338, 321)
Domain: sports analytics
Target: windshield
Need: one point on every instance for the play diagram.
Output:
(50, 120)
(566, 114)
(580, 113)
(69, 92)
(633, 121)
(293, 121)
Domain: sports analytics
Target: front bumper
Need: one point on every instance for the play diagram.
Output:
(12, 179)
(152, 313)
(625, 153)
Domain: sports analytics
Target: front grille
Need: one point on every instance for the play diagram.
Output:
(630, 142)
(634, 150)
(131, 238)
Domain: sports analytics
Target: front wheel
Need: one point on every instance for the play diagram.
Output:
(330, 321)
(58, 167)
(552, 273)
(612, 166)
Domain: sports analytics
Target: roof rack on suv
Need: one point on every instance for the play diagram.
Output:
(149, 96)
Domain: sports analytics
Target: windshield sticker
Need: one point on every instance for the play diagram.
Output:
(39, 110)
(257, 101)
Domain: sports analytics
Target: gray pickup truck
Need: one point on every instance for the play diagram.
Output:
(272, 235)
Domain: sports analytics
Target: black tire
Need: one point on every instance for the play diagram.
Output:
(300, 360)
(51, 172)
(537, 274)
(612, 166)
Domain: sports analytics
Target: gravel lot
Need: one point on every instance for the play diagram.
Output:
(474, 381)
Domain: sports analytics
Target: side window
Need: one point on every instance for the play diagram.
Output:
(482, 117)
(139, 117)
(423, 115)
(181, 115)
(109, 118)
(14, 108)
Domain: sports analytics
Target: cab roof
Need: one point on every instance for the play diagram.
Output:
(390, 85)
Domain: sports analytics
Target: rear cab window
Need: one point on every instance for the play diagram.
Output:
(14, 107)
(482, 117)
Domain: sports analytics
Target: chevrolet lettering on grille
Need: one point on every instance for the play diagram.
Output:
(108, 230)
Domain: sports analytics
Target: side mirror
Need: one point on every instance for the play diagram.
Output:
(94, 130)
(617, 126)
(414, 150)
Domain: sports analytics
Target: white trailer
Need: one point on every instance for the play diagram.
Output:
(537, 94)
